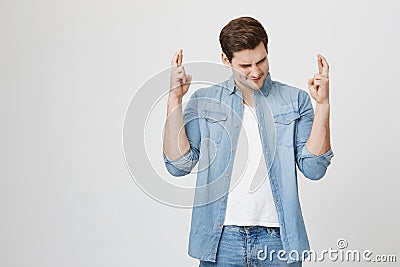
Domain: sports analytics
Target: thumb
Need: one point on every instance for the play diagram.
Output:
(186, 85)
(312, 89)
(310, 82)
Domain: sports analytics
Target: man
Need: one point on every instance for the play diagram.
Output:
(247, 134)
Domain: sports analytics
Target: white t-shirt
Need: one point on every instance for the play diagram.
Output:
(250, 200)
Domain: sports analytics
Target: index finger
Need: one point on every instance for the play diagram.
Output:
(325, 66)
(180, 56)
(319, 61)
(174, 61)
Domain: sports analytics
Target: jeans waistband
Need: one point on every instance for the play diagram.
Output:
(250, 228)
(258, 226)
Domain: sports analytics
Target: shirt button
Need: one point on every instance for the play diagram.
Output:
(241, 102)
(236, 126)
(288, 120)
(227, 174)
(218, 224)
(223, 199)
(231, 149)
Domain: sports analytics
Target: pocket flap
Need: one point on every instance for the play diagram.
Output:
(286, 118)
(214, 116)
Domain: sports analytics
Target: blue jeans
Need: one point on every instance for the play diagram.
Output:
(249, 246)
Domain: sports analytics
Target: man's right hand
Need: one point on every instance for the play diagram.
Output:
(179, 81)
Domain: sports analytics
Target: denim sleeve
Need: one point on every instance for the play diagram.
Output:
(185, 163)
(312, 166)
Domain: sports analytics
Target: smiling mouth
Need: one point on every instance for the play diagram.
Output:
(256, 79)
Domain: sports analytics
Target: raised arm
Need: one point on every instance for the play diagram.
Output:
(176, 142)
(181, 134)
(319, 140)
(313, 147)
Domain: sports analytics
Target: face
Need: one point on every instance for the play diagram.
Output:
(249, 67)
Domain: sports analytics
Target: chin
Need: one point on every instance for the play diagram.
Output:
(256, 85)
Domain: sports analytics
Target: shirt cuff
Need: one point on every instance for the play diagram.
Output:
(324, 159)
(180, 162)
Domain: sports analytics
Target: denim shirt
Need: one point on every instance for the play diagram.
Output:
(212, 120)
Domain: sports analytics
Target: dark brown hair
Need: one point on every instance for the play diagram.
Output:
(241, 34)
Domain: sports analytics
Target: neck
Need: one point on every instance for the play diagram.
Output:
(247, 95)
(248, 98)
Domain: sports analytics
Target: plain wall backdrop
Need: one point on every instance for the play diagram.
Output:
(69, 69)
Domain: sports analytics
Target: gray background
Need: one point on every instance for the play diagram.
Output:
(69, 69)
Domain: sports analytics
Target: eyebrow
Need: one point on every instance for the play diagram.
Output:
(261, 60)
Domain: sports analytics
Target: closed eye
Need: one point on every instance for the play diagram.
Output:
(249, 65)
(262, 60)
(245, 65)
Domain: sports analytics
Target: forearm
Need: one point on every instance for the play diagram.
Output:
(319, 140)
(175, 142)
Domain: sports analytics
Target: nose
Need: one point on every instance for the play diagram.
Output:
(255, 72)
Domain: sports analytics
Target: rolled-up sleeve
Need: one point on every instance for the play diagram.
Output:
(312, 166)
(185, 163)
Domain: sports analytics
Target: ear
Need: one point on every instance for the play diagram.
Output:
(225, 60)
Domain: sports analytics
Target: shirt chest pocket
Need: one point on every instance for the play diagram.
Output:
(285, 126)
(214, 124)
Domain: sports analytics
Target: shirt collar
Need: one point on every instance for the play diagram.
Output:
(265, 89)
